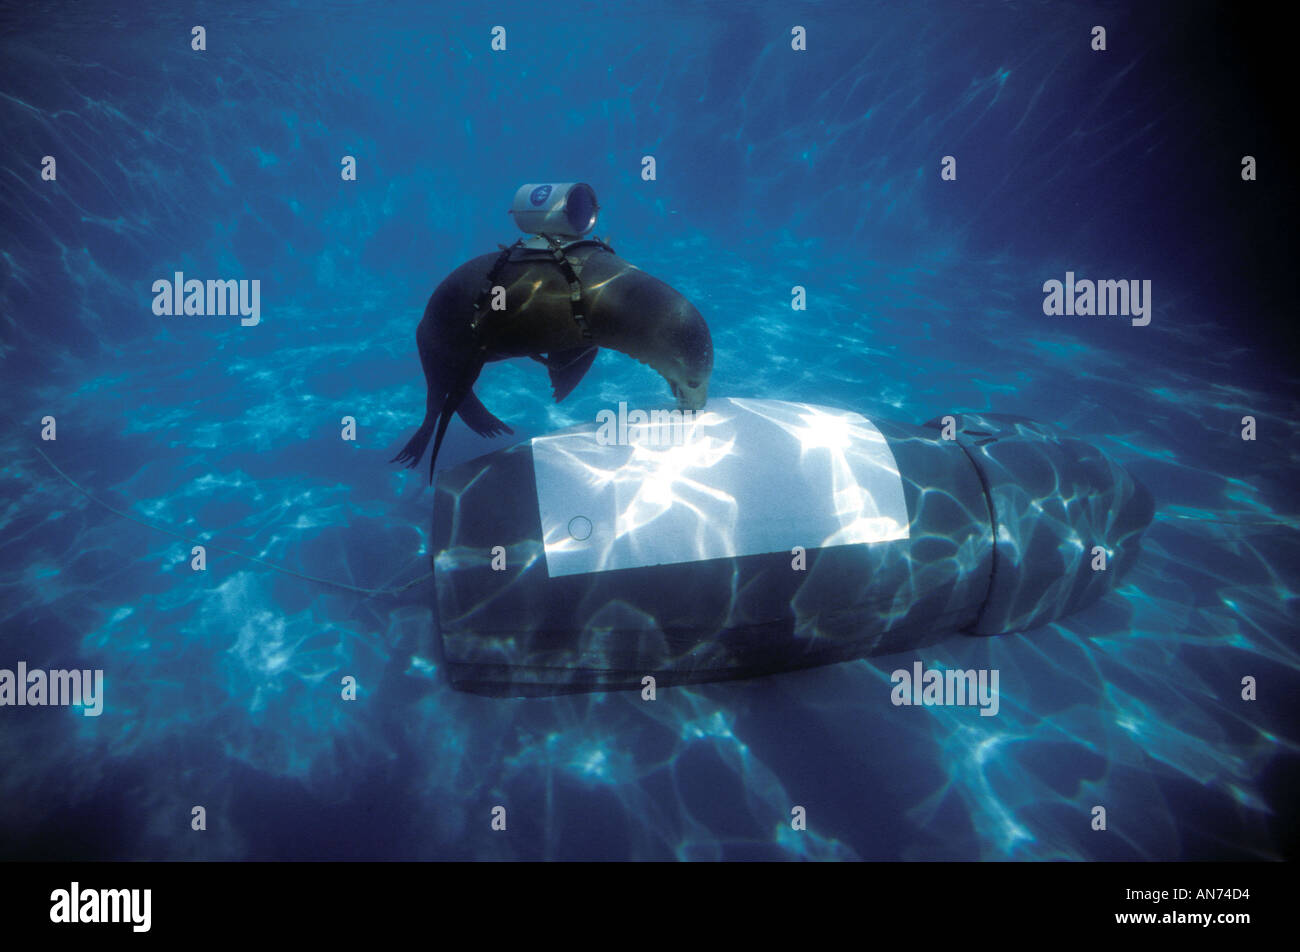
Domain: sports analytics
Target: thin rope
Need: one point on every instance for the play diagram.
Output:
(1229, 522)
(251, 558)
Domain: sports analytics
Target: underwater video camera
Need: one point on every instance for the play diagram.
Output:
(564, 210)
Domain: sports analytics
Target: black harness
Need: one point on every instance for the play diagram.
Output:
(570, 268)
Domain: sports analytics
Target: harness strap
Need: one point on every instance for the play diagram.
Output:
(489, 282)
(569, 267)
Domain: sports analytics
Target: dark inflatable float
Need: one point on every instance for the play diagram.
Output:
(764, 536)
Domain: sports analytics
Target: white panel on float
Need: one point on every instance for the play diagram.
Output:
(742, 477)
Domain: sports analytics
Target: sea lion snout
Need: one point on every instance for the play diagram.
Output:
(688, 397)
(688, 363)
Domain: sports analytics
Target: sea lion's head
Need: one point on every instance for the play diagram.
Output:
(650, 321)
(687, 363)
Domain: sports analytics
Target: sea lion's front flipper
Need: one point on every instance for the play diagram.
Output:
(479, 419)
(567, 368)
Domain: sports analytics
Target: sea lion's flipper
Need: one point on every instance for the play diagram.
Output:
(479, 419)
(455, 397)
(414, 448)
(568, 367)
(443, 420)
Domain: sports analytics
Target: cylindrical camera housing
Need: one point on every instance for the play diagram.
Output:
(564, 209)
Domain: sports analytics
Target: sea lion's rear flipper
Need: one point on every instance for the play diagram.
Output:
(479, 419)
(414, 448)
(455, 397)
(568, 367)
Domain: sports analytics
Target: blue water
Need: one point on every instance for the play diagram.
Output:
(775, 168)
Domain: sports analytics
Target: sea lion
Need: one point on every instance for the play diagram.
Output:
(625, 309)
